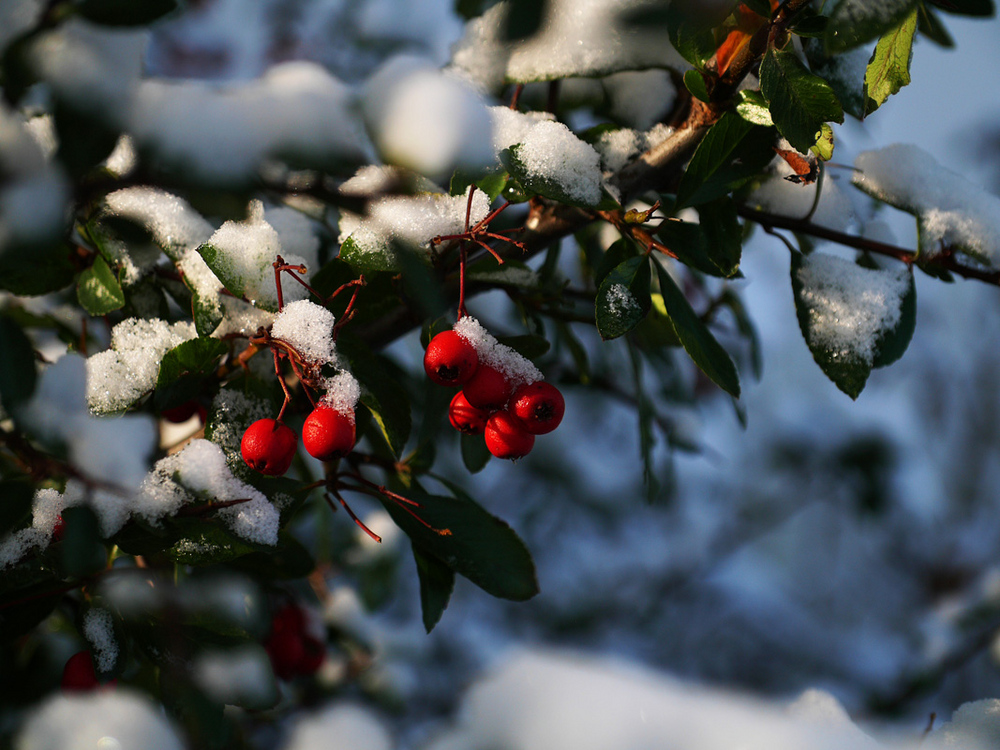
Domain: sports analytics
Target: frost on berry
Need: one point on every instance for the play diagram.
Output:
(506, 437)
(268, 446)
(515, 367)
(540, 407)
(450, 359)
(328, 434)
(465, 417)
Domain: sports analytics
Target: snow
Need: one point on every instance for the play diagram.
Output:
(411, 220)
(517, 369)
(297, 112)
(951, 211)
(230, 414)
(784, 198)
(235, 677)
(342, 727)
(171, 221)
(620, 301)
(426, 120)
(309, 328)
(119, 719)
(17, 17)
(342, 392)
(639, 98)
(548, 150)
(245, 252)
(850, 306)
(577, 38)
(98, 629)
(121, 375)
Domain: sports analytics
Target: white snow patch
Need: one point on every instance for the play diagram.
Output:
(342, 392)
(99, 630)
(850, 306)
(235, 677)
(950, 209)
(341, 727)
(84, 721)
(309, 328)
(171, 221)
(517, 368)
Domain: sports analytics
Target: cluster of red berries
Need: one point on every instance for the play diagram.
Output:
(293, 650)
(489, 404)
(269, 445)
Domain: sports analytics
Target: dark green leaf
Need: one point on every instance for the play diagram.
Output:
(492, 183)
(889, 68)
(620, 251)
(368, 260)
(810, 24)
(84, 140)
(693, 40)
(732, 151)
(854, 22)
(206, 312)
(528, 345)
(760, 7)
(475, 454)
(890, 345)
(646, 412)
(977, 8)
(470, 541)
(623, 298)
(381, 394)
(523, 19)
(16, 498)
(208, 543)
(695, 337)
(512, 273)
(712, 246)
(800, 102)
(930, 26)
(536, 183)
(196, 356)
(287, 560)
(34, 270)
(37, 592)
(125, 12)
(223, 269)
(17, 365)
(437, 581)
(82, 550)
(694, 82)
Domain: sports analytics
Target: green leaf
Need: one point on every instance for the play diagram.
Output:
(98, 290)
(695, 337)
(381, 393)
(930, 26)
(287, 560)
(538, 184)
(523, 19)
(750, 105)
(15, 508)
(889, 68)
(646, 413)
(712, 246)
(207, 543)
(82, 551)
(854, 22)
(196, 356)
(368, 260)
(206, 312)
(437, 581)
(512, 273)
(619, 251)
(492, 182)
(800, 102)
(823, 147)
(17, 365)
(849, 370)
(691, 39)
(527, 345)
(475, 454)
(470, 541)
(732, 151)
(125, 12)
(223, 269)
(694, 82)
(623, 298)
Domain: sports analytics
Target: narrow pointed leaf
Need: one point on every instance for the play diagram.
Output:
(437, 581)
(623, 298)
(855, 22)
(98, 290)
(889, 68)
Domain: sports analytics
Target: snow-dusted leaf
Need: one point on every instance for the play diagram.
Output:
(557, 175)
(750, 105)
(98, 289)
(854, 22)
(889, 68)
(853, 318)
(437, 581)
(800, 101)
(623, 298)
(695, 337)
(196, 356)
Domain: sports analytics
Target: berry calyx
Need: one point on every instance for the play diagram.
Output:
(79, 675)
(539, 405)
(269, 446)
(328, 434)
(506, 437)
(465, 417)
(450, 359)
(488, 389)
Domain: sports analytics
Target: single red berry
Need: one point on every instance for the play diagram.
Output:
(506, 437)
(328, 434)
(181, 413)
(465, 417)
(488, 389)
(59, 529)
(286, 651)
(313, 655)
(539, 405)
(269, 446)
(450, 359)
(79, 675)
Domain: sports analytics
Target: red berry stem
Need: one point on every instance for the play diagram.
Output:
(349, 310)
(358, 521)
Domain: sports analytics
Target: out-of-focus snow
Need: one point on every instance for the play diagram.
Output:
(341, 727)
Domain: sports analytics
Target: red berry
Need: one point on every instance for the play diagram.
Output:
(181, 413)
(450, 359)
(488, 389)
(79, 674)
(506, 436)
(59, 529)
(539, 406)
(465, 417)
(269, 446)
(328, 434)
(313, 655)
